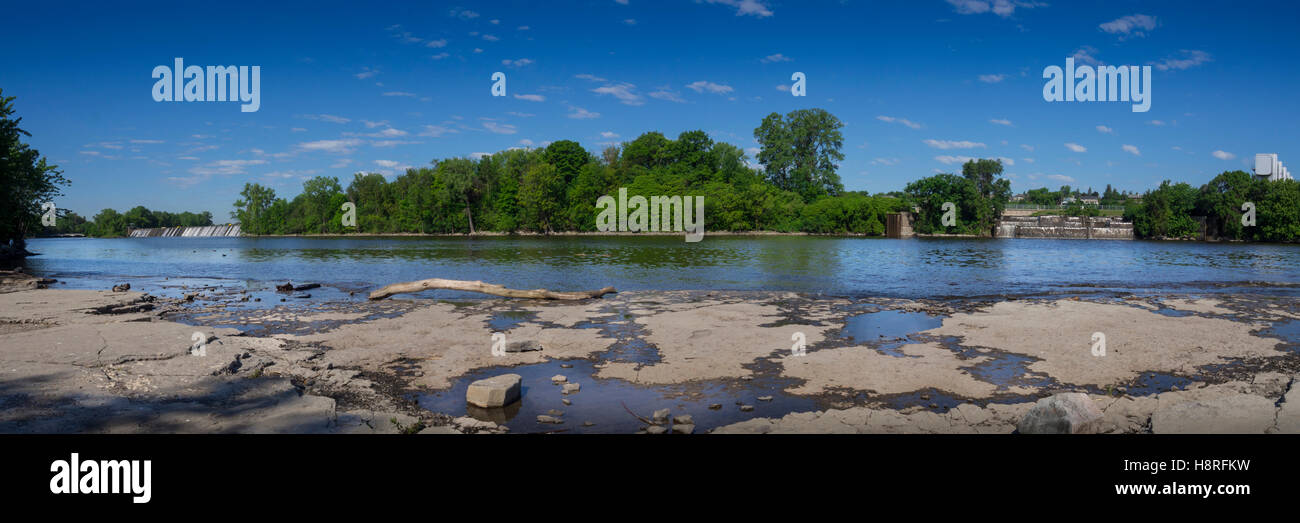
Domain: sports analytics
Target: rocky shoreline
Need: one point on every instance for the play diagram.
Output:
(84, 361)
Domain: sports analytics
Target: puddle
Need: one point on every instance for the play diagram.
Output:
(1154, 383)
(888, 330)
(1287, 330)
(503, 321)
(601, 401)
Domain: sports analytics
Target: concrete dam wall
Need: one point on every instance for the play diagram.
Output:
(1065, 227)
(187, 232)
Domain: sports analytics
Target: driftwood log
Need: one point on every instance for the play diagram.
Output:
(485, 288)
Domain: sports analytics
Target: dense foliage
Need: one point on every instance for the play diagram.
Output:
(26, 182)
(555, 188)
(978, 195)
(1170, 210)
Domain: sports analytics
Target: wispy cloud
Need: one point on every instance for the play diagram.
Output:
(1131, 25)
(1186, 59)
(1076, 147)
(953, 144)
(904, 121)
(755, 8)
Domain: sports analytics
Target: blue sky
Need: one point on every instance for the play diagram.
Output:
(919, 85)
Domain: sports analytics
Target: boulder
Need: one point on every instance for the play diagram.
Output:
(497, 391)
(1064, 413)
(570, 388)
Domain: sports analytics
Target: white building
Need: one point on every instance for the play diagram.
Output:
(1268, 167)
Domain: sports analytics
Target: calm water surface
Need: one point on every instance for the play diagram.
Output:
(830, 265)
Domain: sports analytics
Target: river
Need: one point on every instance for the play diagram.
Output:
(845, 266)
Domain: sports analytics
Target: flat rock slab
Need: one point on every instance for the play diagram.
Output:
(1236, 414)
(497, 391)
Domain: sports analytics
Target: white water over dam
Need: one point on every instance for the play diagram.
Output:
(187, 232)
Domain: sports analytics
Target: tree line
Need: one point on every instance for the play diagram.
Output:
(554, 189)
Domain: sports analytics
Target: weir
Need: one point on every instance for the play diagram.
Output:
(1065, 227)
(187, 232)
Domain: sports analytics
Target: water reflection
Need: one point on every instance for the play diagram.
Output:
(843, 266)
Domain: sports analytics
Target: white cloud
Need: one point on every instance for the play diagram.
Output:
(1060, 178)
(491, 38)
(517, 63)
(778, 57)
(400, 93)
(1157, 123)
(499, 128)
(904, 121)
(436, 131)
(1027, 147)
(885, 161)
(1223, 155)
(579, 113)
(331, 146)
(702, 86)
(366, 72)
(745, 7)
(608, 135)
(326, 118)
(1002, 8)
(590, 77)
(463, 14)
(622, 91)
(1076, 147)
(437, 43)
(1131, 149)
(1001, 121)
(1134, 25)
(664, 93)
(1086, 55)
(439, 56)
(630, 21)
(992, 78)
(953, 144)
(531, 97)
(1105, 130)
(1187, 60)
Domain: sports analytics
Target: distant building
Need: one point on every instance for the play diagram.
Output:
(1067, 200)
(1018, 198)
(1090, 201)
(1268, 167)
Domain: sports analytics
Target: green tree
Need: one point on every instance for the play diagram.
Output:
(27, 181)
(251, 209)
(800, 151)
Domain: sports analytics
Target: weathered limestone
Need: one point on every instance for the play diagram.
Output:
(1065, 413)
(1237, 414)
(497, 391)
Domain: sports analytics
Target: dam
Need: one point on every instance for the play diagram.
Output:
(227, 230)
(1065, 227)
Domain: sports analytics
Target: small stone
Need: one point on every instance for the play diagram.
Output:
(715, 406)
(764, 398)
(558, 379)
(684, 419)
(747, 378)
(656, 429)
(746, 408)
(549, 419)
(660, 415)
(122, 288)
(588, 424)
(497, 391)
(566, 401)
(554, 412)
(570, 388)
(683, 429)
(925, 397)
(566, 366)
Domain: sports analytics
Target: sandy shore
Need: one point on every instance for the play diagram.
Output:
(99, 361)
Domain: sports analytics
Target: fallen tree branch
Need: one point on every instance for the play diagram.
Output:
(485, 288)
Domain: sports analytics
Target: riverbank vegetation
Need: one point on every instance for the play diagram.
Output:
(795, 187)
(1178, 210)
(27, 181)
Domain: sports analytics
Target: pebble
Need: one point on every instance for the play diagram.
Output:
(556, 413)
(655, 429)
(549, 419)
(566, 366)
(558, 379)
(566, 401)
(588, 424)
(764, 398)
(570, 388)
(683, 429)
(746, 408)
(684, 419)
(715, 406)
